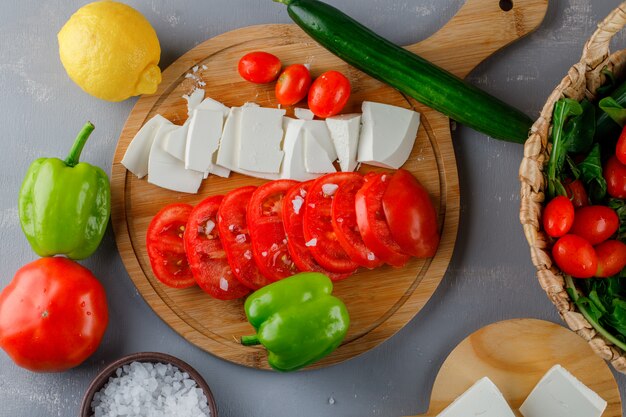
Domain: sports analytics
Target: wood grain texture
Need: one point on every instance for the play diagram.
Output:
(381, 301)
(515, 354)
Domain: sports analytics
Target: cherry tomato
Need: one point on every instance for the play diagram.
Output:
(558, 216)
(577, 193)
(615, 176)
(319, 234)
(345, 226)
(370, 217)
(206, 255)
(259, 67)
(52, 315)
(293, 84)
(235, 237)
(411, 216)
(166, 248)
(595, 224)
(620, 150)
(265, 222)
(329, 94)
(293, 218)
(611, 258)
(575, 256)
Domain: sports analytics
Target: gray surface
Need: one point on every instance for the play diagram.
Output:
(490, 277)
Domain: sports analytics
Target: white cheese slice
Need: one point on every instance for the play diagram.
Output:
(344, 132)
(261, 134)
(219, 171)
(319, 152)
(137, 154)
(293, 146)
(387, 134)
(193, 100)
(303, 114)
(176, 140)
(211, 104)
(483, 399)
(560, 394)
(168, 172)
(203, 139)
(228, 153)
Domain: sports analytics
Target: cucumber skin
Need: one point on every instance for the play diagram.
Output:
(407, 72)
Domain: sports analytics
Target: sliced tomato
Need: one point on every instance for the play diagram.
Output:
(206, 255)
(293, 217)
(166, 250)
(235, 237)
(373, 226)
(319, 235)
(346, 227)
(265, 223)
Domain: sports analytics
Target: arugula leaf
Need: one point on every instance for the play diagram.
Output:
(579, 130)
(610, 83)
(614, 110)
(563, 109)
(591, 172)
(619, 205)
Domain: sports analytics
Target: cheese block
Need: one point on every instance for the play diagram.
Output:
(387, 134)
(483, 399)
(344, 132)
(303, 114)
(203, 139)
(176, 141)
(168, 172)
(193, 100)
(137, 154)
(211, 104)
(261, 134)
(560, 394)
(319, 152)
(293, 146)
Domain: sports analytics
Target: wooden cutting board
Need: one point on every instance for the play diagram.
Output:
(380, 301)
(515, 354)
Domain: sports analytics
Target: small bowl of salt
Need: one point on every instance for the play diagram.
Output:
(148, 384)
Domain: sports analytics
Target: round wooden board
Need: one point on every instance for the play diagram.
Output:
(380, 301)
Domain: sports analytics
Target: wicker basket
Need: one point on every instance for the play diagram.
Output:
(582, 80)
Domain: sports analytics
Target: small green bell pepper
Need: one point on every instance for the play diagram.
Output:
(64, 206)
(297, 320)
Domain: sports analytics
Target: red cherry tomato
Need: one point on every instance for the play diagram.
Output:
(620, 150)
(265, 222)
(52, 315)
(595, 224)
(575, 256)
(558, 216)
(615, 176)
(206, 255)
(577, 193)
(293, 84)
(293, 218)
(370, 217)
(166, 248)
(235, 237)
(259, 67)
(611, 258)
(411, 216)
(329, 94)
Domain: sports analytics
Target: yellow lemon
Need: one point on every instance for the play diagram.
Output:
(111, 51)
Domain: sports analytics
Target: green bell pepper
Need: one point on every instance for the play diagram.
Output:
(297, 320)
(64, 206)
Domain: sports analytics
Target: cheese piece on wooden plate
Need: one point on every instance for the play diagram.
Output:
(483, 399)
(293, 146)
(193, 100)
(137, 154)
(303, 113)
(176, 141)
(168, 172)
(211, 104)
(560, 394)
(387, 134)
(261, 134)
(203, 139)
(319, 152)
(344, 132)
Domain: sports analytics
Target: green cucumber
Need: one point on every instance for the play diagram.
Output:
(407, 72)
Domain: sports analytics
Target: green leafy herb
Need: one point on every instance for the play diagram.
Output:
(614, 110)
(619, 205)
(591, 172)
(610, 83)
(579, 130)
(563, 110)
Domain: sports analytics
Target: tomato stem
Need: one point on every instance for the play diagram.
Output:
(250, 340)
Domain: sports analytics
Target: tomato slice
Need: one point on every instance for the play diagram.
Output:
(346, 227)
(293, 217)
(166, 250)
(265, 223)
(319, 235)
(411, 216)
(206, 255)
(235, 237)
(373, 226)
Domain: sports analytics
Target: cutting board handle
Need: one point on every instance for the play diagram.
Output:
(479, 29)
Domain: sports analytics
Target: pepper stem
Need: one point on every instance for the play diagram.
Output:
(287, 2)
(74, 155)
(250, 340)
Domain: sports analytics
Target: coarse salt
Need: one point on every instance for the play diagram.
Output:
(329, 189)
(312, 242)
(241, 238)
(370, 256)
(247, 254)
(223, 284)
(210, 225)
(297, 203)
(302, 192)
(264, 254)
